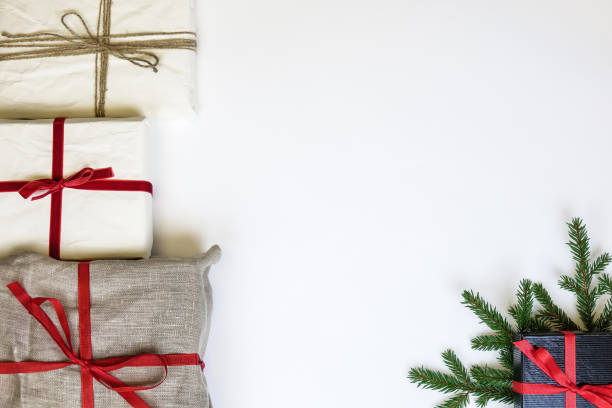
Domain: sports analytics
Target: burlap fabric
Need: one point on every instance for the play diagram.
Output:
(159, 305)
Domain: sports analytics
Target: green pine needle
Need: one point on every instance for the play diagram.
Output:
(604, 322)
(486, 313)
(523, 310)
(600, 264)
(489, 375)
(550, 312)
(491, 342)
(506, 358)
(455, 366)
(456, 401)
(582, 283)
(436, 380)
(503, 394)
(579, 244)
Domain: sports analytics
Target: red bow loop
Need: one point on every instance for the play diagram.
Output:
(39, 189)
(96, 370)
(598, 395)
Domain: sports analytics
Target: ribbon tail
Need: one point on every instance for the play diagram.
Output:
(599, 398)
(129, 396)
(12, 186)
(26, 367)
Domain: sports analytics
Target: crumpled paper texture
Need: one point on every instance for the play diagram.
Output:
(95, 224)
(64, 86)
(159, 305)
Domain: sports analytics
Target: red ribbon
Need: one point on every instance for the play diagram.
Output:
(598, 395)
(90, 369)
(50, 186)
(86, 179)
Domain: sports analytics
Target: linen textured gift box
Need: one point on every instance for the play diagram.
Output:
(85, 58)
(563, 370)
(149, 315)
(86, 219)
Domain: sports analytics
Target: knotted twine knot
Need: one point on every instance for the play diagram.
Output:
(132, 47)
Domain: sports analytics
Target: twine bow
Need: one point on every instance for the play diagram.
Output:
(38, 189)
(133, 47)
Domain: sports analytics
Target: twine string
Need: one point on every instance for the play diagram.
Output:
(134, 48)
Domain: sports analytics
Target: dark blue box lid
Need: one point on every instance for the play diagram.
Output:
(593, 366)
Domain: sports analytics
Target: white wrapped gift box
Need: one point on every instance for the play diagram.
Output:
(48, 86)
(94, 224)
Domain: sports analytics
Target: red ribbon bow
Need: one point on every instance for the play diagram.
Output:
(598, 395)
(86, 179)
(50, 186)
(90, 369)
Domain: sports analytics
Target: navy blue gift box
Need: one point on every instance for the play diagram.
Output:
(593, 366)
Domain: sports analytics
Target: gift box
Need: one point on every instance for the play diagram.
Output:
(564, 370)
(75, 189)
(105, 333)
(86, 58)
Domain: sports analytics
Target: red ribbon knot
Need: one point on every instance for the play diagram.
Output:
(598, 395)
(41, 188)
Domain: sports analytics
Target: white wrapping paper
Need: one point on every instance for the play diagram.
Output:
(65, 86)
(95, 224)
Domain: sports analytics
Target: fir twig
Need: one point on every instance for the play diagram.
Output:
(550, 312)
(495, 376)
(456, 401)
(486, 313)
(604, 322)
(582, 283)
(455, 366)
(490, 342)
(487, 387)
(506, 357)
(523, 310)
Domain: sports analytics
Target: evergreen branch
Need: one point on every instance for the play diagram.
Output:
(436, 380)
(579, 244)
(491, 342)
(491, 385)
(489, 375)
(605, 284)
(568, 283)
(600, 264)
(456, 401)
(604, 322)
(506, 358)
(551, 313)
(503, 394)
(456, 367)
(581, 284)
(540, 326)
(487, 314)
(522, 311)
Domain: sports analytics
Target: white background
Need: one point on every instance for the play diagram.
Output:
(361, 162)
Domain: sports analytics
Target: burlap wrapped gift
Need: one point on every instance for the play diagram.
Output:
(159, 305)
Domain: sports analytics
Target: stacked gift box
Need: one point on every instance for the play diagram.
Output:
(88, 318)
